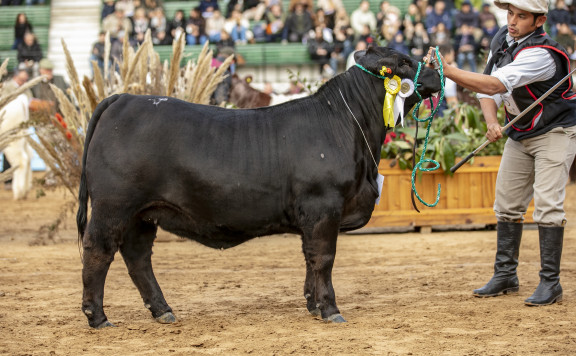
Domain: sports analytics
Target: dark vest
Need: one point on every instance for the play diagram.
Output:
(558, 109)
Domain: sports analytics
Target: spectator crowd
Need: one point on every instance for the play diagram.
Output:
(31, 59)
(324, 26)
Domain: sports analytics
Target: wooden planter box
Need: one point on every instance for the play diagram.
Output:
(466, 198)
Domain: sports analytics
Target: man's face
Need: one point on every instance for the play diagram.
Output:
(21, 78)
(521, 23)
(47, 72)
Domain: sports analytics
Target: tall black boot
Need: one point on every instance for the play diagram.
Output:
(549, 290)
(505, 280)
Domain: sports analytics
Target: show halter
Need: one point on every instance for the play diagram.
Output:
(396, 92)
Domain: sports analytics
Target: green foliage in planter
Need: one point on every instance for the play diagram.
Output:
(457, 133)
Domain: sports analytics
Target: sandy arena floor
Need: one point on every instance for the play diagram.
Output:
(402, 294)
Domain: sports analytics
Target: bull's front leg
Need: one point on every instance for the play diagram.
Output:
(319, 247)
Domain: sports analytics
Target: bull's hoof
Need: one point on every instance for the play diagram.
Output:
(315, 312)
(166, 318)
(105, 324)
(335, 318)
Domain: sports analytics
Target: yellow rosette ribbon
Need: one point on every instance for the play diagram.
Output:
(392, 86)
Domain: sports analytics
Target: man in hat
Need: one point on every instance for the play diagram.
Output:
(42, 90)
(524, 62)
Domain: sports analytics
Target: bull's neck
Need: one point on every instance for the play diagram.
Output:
(358, 101)
(362, 96)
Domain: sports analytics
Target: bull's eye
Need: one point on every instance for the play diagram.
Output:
(405, 63)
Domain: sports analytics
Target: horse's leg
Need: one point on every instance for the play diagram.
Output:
(136, 249)
(18, 157)
(28, 173)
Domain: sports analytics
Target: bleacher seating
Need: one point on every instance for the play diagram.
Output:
(170, 7)
(38, 16)
(7, 37)
(255, 55)
(263, 54)
(12, 54)
(351, 5)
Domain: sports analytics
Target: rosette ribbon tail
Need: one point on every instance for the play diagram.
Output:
(392, 86)
(406, 89)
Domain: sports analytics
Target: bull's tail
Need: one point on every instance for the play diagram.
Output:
(82, 215)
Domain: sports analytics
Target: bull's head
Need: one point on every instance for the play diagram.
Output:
(387, 62)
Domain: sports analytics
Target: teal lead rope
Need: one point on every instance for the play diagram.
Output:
(429, 120)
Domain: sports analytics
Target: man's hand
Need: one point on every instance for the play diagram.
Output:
(431, 56)
(494, 132)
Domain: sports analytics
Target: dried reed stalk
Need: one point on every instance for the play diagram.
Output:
(175, 59)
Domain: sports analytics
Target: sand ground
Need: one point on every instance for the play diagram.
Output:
(402, 294)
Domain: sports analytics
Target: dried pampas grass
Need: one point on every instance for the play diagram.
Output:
(61, 136)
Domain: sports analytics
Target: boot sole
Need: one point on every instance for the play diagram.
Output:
(558, 300)
(512, 290)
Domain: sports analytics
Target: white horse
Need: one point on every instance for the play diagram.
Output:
(18, 152)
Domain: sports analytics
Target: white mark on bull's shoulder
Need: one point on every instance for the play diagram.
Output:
(322, 155)
(157, 101)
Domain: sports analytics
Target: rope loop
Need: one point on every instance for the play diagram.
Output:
(434, 110)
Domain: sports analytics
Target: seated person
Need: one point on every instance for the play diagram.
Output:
(29, 54)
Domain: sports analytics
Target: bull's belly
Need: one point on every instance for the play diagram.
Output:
(220, 230)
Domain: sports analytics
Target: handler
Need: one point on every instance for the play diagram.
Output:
(524, 63)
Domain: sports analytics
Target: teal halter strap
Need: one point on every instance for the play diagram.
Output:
(369, 72)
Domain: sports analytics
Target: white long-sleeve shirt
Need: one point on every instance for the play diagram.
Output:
(531, 65)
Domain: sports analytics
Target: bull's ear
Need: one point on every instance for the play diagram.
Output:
(358, 55)
(371, 59)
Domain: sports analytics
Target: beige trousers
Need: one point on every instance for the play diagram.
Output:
(535, 168)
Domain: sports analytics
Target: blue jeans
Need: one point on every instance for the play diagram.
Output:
(238, 34)
(469, 57)
(192, 40)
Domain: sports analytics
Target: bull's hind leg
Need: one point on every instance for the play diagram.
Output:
(319, 247)
(99, 248)
(136, 249)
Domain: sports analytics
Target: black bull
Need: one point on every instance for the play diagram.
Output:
(223, 176)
